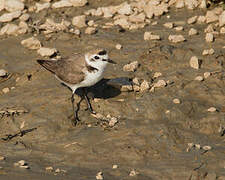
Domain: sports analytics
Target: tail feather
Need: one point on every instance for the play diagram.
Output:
(48, 64)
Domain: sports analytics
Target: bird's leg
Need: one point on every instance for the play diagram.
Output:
(74, 111)
(87, 101)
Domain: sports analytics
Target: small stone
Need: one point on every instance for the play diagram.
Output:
(14, 5)
(47, 52)
(2, 158)
(176, 38)
(179, 3)
(192, 20)
(40, 7)
(13, 88)
(198, 146)
(115, 166)
(24, 17)
(212, 109)
(176, 101)
(199, 78)
(3, 72)
(150, 36)
(5, 90)
(90, 30)
(57, 170)
(131, 67)
(99, 176)
(118, 46)
(157, 74)
(154, 23)
(25, 167)
(168, 25)
(126, 88)
(194, 62)
(190, 145)
(201, 19)
(21, 163)
(160, 83)
(222, 19)
(209, 37)
(113, 121)
(207, 74)
(79, 21)
(78, 3)
(125, 9)
(123, 22)
(61, 4)
(7, 17)
(49, 168)
(167, 111)
(179, 28)
(136, 81)
(222, 30)
(206, 148)
(208, 52)
(31, 43)
(192, 32)
(211, 16)
(144, 86)
(91, 23)
(140, 18)
(133, 173)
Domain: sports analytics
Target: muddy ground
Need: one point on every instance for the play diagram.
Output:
(146, 139)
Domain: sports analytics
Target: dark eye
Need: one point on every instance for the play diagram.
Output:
(96, 57)
(102, 52)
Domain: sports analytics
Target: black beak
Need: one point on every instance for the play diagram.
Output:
(111, 61)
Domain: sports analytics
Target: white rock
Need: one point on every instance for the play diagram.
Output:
(150, 36)
(160, 83)
(113, 121)
(199, 78)
(2, 158)
(40, 7)
(61, 4)
(194, 62)
(125, 9)
(14, 5)
(131, 67)
(5, 90)
(136, 81)
(191, 4)
(79, 21)
(91, 23)
(206, 148)
(31, 43)
(9, 29)
(212, 109)
(157, 74)
(211, 16)
(222, 19)
(206, 74)
(209, 29)
(115, 166)
(179, 3)
(50, 26)
(47, 52)
(90, 30)
(78, 3)
(209, 37)
(176, 101)
(144, 86)
(222, 30)
(168, 25)
(49, 168)
(7, 17)
(203, 4)
(137, 18)
(133, 173)
(179, 28)
(99, 176)
(23, 27)
(123, 22)
(198, 146)
(2, 5)
(192, 32)
(3, 72)
(126, 88)
(208, 52)
(201, 19)
(24, 17)
(192, 20)
(118, 46)
(176, 38)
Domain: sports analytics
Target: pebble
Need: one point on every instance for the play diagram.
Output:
(222, 19)
(192, 20)
(201, 19)
(7, 17)
(194, 62)
(125, 9)
(40, 7)
(211, 16)
(176, 101)
(3, 72)
(5, 90)
(61, 4)
(206, 74)
(199, 78)
(176, 38)
(113, 121)
(192, 32)
(198, 146)
(46, 52)
(99, 176)
(207, 148)
(160, 83)
(208, 52)
(157, 74)
(24, 17)
(179, 28)
(118, 46)
(144, 86)
(91, 23)
(168, 25)
(126, 88)
(78, 3)
(136, 81)
(150, 36)
(14, 5)
(49, 168)
(31, 43)
(222, 30)
(79, 21)
(57, 170)
(115, 166)
(209, 37)
(90, 30)
(10, 29)
(2, 158)
(131, 67)
(133, 173)
(212, 109)
(21, 163)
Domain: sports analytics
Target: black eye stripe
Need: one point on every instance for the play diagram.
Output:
(102, 52)
(96, 57)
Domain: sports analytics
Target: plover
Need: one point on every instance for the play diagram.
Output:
(79, 71)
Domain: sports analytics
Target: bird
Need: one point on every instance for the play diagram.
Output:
(79, 71)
